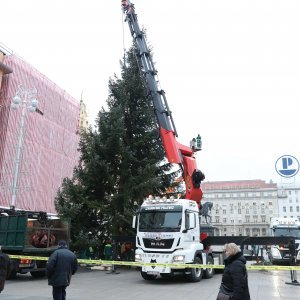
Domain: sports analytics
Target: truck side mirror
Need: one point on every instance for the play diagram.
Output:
(134, 222)
(192, 221)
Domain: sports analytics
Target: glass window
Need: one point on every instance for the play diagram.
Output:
(284, 209)
(217, 220)
(240, 211)
(224, 211)
(224, 220)
(263, 219)
(291, 208)
(247, 219)
(297, 208)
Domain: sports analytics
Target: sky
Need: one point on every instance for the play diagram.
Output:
(230, 69)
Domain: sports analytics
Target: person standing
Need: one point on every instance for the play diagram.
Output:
(5, 264)
(108, 251)
(61, 265)
(234, 285)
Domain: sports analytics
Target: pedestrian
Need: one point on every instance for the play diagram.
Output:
(234, 284)
(108, 251)
(5, 265)
(61, 265)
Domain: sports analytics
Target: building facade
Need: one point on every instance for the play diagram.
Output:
(288, 200)
(241, 207)
(38, 149)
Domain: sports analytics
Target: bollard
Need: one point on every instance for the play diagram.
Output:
(293, 262)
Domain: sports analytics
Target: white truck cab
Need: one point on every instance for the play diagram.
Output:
(280, 254)
(168, 231)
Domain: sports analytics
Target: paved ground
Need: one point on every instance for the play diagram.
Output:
(128, 285)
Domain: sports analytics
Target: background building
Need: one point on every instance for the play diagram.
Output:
(49, 140)
(288, 200)
(83, 119)
(241, 207)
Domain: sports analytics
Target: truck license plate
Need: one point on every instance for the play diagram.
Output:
(153, 273)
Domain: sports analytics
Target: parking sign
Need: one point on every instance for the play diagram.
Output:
(287, 166)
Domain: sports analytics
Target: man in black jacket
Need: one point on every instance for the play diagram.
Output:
(61, 265)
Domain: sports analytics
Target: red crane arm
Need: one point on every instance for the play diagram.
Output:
(175, 152)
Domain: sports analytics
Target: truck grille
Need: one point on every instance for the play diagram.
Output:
(160, 244)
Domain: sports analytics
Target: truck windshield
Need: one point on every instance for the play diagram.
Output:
(160, 221)
(287, 232)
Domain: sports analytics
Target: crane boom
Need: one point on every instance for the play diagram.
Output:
(175, 152)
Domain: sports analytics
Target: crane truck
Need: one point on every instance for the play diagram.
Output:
(168, 230)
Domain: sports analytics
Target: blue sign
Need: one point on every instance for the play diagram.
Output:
(287, 166)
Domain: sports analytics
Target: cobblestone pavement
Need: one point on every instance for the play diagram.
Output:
(127, 285)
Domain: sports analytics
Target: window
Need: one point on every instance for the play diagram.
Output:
(232, 221)
(240, 211)
(263, 211)
(290, 192)
(270, 203)
(255, 219)
(291, 208)
(297, 208)
(224, 220)
(247, 219)
(217, 220)
(284, 209)
(247, 211)
(225, 229)
(231, 210)
(224, 211)
(263, 219)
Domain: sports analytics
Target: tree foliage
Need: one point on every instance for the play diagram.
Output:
(121, 162)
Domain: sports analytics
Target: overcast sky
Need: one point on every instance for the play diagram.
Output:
(230, 69)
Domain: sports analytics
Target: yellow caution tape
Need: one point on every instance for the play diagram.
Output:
(141, 264)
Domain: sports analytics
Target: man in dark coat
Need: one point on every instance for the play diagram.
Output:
(234, 284)
(5, 264)
(61, 265)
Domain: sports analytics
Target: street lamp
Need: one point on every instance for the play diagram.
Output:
(25, 98)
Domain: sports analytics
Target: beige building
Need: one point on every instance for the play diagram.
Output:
(242, 207)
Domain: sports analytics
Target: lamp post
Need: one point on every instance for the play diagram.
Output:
(26, 99)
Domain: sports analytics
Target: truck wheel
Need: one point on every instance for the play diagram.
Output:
(195, 274)
(38, 274)
(12, 274)
(209, 273)
(147, 276)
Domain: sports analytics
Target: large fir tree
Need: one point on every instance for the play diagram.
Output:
(121, 162)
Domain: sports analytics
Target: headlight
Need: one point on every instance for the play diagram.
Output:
(275, 253)
(138, 257)
(178, 258)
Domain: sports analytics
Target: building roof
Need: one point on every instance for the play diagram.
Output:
(237, 185)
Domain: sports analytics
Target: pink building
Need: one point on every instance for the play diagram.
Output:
(50, 137)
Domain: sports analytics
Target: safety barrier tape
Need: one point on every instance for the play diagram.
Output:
(171, 265)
